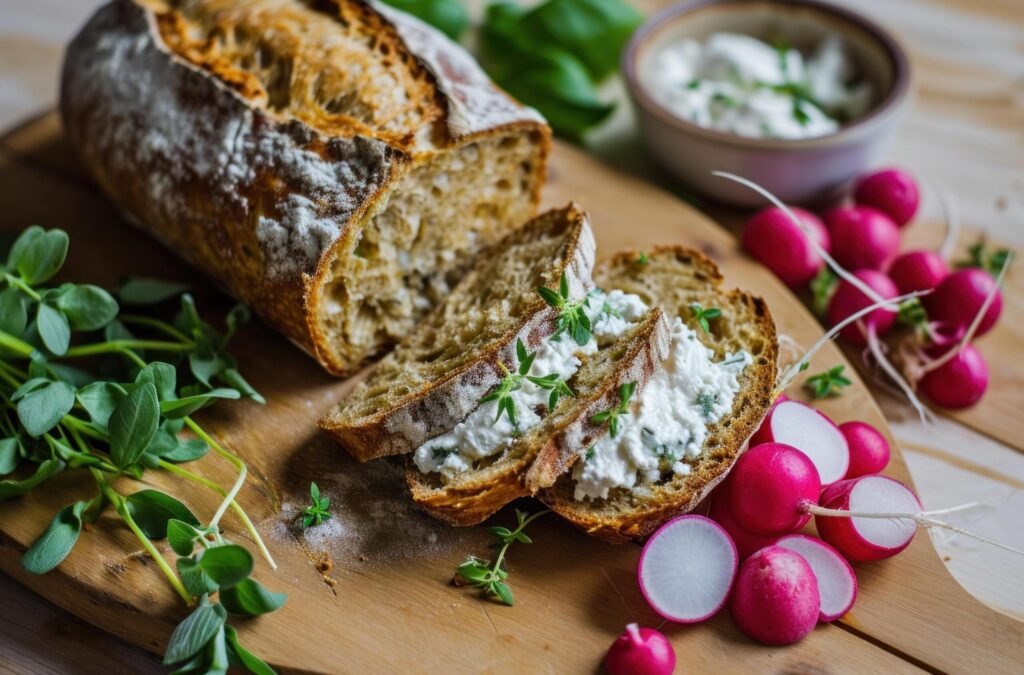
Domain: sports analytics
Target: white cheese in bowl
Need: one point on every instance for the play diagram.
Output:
(738, 84)
(667, 422)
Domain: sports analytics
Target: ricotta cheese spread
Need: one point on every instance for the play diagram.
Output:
(484, 433)
(741, 85)
(667, 423)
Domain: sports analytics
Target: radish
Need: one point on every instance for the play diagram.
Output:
(869, 451)
(770, 482)
(918, 271)
(776, 600)
(837, 584)
(848, 299)
(640, 651)
(891, 191)
(799, 425)
(778, 243)
(687, 568)
(958, 383)
(720, 511)
(960, 296)
(863, 539)
(862, 237)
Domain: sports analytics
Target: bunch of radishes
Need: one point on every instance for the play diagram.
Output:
(861, 243)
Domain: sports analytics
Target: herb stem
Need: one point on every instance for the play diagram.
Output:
(114, 346)
(133, 357)
(78, 426)
(22, 286)
(8, 378)
(508, 542)
(238, 463)
(156, 324)
(16, 344)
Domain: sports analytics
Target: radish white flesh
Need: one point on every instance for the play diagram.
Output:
(687, 568)
(776, 600)
(809, 431)
(865, 539)
(837, 584)
(640, 651)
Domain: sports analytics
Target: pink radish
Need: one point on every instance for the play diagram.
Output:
(770, 482)
(837, 584)
(960, 296)
(799, 425)
(863, 539)
(720, 511)
(687, 568)
(640, 651)
(869, 451)
(776, 599)
(958, 383)
(862, 237)
(918, 271)
(775, 241)
(891, 191)
(848, 299)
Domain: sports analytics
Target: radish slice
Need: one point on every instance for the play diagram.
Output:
(865, 539)
(837, 584)
(809, 431)
(687, 568)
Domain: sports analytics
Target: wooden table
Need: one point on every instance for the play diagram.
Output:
(966, 130)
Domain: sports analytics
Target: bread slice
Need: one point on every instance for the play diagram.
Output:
(674, 278)
(537, 458)
(436, 376)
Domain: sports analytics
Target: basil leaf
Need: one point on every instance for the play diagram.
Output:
(87, 307)
(13, 316)
(43, 257)
(164, 377)
(186, 451)
(249, 598)
(227, 565)
(22, 243)
(53, 546)
(140, 291)
(43, 407)
(195, 631)
(14, 488)
(133, 425)
(100, 399)
(448, 16)
(8, 455)
(151, 510)
(53, 328)
(246, 659)
(195, 580)
(27, 387)
(181, 536)
(181, 407)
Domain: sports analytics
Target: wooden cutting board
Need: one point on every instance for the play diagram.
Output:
(369, 592)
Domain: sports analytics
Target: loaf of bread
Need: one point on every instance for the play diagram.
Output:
(334, 164)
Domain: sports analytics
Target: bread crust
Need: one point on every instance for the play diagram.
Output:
(258, 200)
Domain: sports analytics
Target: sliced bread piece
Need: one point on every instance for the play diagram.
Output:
(674, 278)
(536, 459)
(436, 375)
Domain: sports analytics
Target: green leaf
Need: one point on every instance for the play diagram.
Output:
(448, 16)
(140, 291)
(54, 329)
(234, 379)
(42, 408)
(194, 632)
(551, 297)
(217, 654)
(179, 451)
(9, 456)
(76, 377)
(180, 407)
(196, 581)
(87, 307)
(246, 659)
(164, 377)
(227, 565)
(100, 399)
(13, 315)
(43, 257)
(152, 510)
(133, 425)
(53, 546)
(23, 241)
(205, 365)
(249, 598)
(181, 537)
(13, 488)
(504, 593)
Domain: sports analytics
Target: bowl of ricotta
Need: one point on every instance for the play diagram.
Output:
(799, 96)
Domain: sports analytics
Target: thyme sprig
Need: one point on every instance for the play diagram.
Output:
(491, 576)
(318, 511)
(701, 315)
(980, 256)
(823, 286)
(827, 383)
(611, 416)
(572, 318)
(512, 381)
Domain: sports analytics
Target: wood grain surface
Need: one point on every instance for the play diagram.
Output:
(966, 130)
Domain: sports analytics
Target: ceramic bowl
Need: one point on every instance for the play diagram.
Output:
(798, 171)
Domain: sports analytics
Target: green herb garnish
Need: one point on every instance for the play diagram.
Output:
(491, 576)
(589, 454)
(571, 318)
(827, 383)
(611, 416)
(440, 454)
(707, 402)
(513, 381)
(823, 286)
(702, 315)
(978, 255)
(318, 511)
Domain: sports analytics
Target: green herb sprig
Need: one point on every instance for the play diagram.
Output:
(571, 318)
(317, 512)
(611, 416)
(823, 286)
(702, 315)
(706, 402)
(56, 416)
(513, 381)
(827, 383)
(980, 256)
(492, 576)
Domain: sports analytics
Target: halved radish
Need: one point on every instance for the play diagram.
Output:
(776, 599)
(687, 568)
(837, 584)
(863, 539)
(809, 431)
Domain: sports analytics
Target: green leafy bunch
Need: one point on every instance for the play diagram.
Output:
(979, 255)
(78, 393)
(611, 416)
(827, 383)
(513, 381)
(572, 317)
(318, 511)
(448, 16)
(492, 576)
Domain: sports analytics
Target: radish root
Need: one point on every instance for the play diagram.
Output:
(874, 345)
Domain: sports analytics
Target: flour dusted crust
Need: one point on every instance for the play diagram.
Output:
(272, 199)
